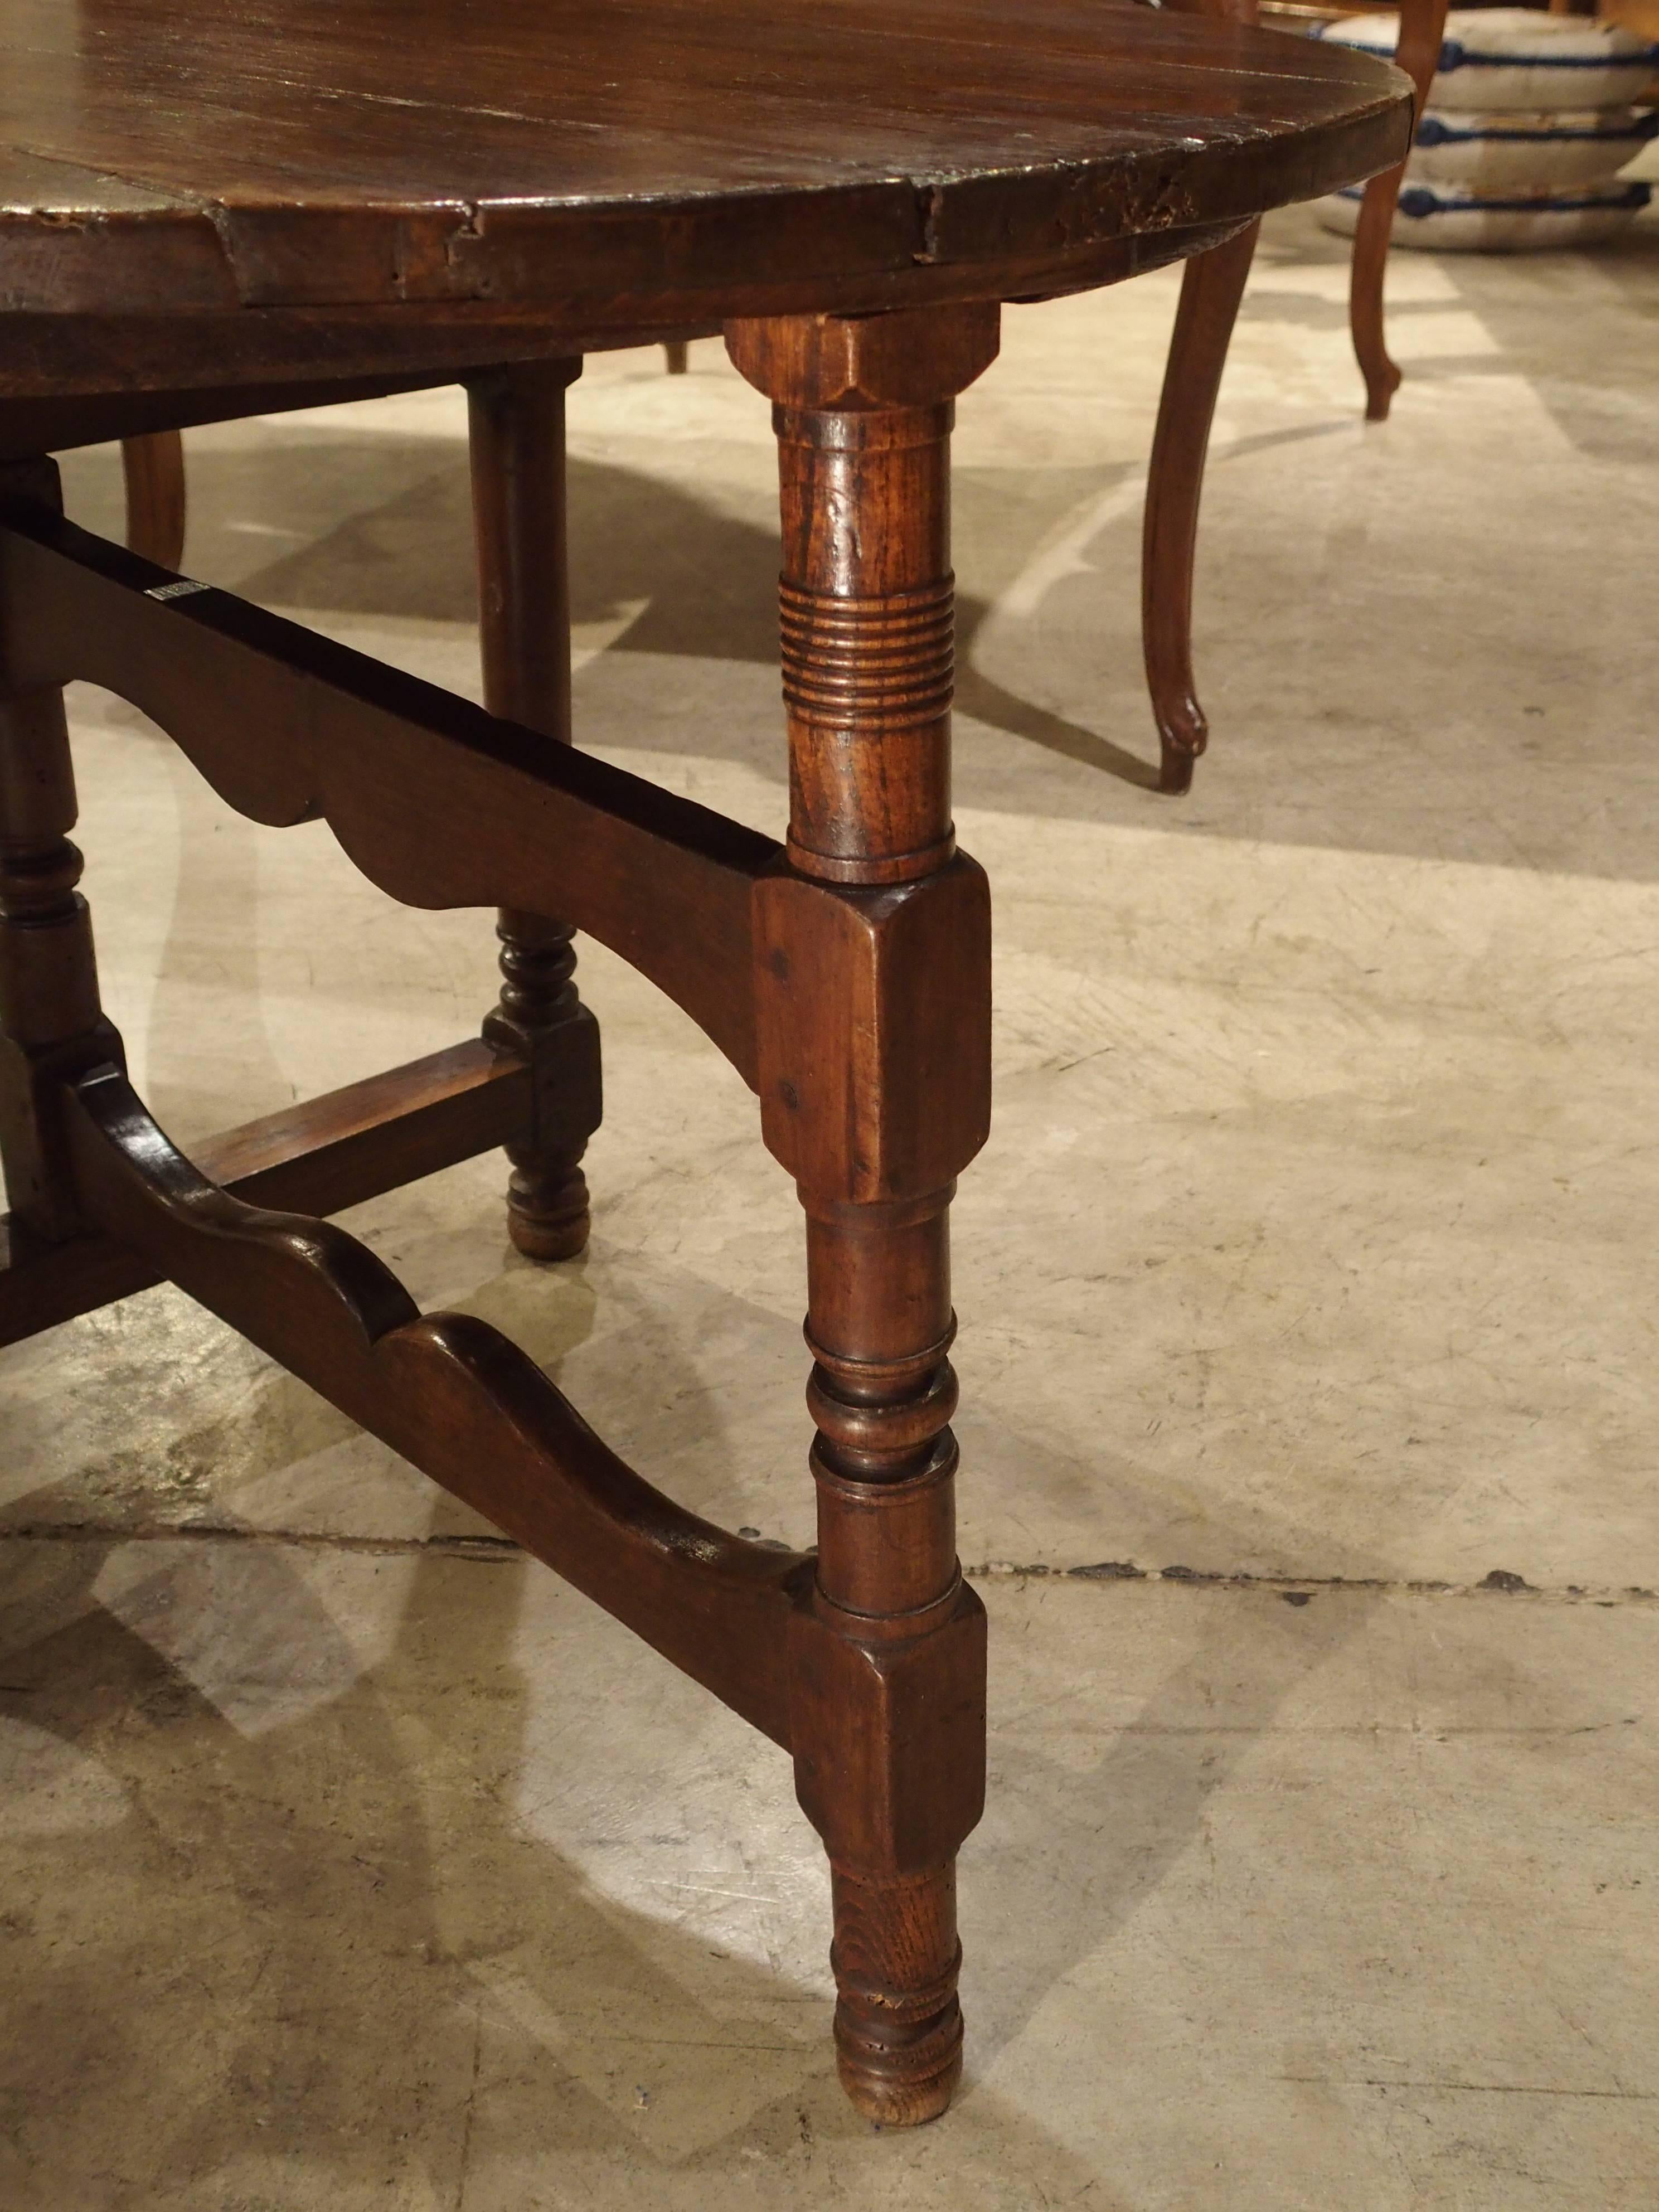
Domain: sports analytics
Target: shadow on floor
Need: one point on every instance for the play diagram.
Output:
(1370, 690)
(310, 1958)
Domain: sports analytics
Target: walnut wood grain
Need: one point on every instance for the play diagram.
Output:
(154, 468)
(140, 358)
(56, 422)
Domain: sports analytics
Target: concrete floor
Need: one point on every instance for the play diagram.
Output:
(351, 1860)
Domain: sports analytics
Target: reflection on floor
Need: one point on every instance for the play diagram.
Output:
(1306, 1298)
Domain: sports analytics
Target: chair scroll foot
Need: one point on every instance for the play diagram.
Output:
(153, 465)
(1212, 286)
(540, 1017)
(1371, 257)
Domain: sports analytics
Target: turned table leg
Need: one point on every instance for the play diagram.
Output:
(51, 1026)
(873, 1092)
(1212, 284)
(516, 420)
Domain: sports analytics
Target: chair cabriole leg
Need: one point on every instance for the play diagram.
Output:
(882, 1100)
(516, 420)
(1211, 288)
(1422, 27)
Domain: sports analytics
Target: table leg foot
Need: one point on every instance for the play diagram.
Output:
(540, 1014)
(548, 1220)
(1371, 260)
(898, 2025)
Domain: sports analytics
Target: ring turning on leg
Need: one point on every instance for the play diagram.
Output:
(873, 968)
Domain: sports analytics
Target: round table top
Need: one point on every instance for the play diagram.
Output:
(642, 160)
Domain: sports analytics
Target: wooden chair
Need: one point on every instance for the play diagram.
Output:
(1212, 286)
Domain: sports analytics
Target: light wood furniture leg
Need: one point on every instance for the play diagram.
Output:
(154, 466)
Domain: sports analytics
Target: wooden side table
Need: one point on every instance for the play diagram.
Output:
(197, 211)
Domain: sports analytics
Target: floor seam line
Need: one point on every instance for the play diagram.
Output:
(491, 1549)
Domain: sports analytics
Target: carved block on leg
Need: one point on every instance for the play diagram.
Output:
(540, 1017)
